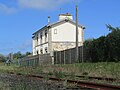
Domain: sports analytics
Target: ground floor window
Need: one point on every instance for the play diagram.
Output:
(37, 52)
(46, 50)
(41, 51)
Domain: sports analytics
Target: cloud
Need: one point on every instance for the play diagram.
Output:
(6, 49)
(5, 9)
(32, 4)
(25, 45)
(41, 4)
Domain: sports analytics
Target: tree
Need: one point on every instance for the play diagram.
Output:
(104, 48)
(27, 54)
(2, 58)
(113, 43)
(18, 55)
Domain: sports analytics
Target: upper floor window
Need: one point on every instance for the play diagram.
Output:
(37, 37)
(55, 31)
(45, 35)
(41, 35)
(41, 38)
(37, 40)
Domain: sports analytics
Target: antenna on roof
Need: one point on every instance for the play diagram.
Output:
(48, 19)
(60, 10)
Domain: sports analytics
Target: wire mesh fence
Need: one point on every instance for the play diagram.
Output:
(69, 56)
(59, 57)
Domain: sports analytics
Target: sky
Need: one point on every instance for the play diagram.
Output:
(19, 19)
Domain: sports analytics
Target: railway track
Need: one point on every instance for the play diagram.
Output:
(99, 78)
(83, 84)
(90, 77)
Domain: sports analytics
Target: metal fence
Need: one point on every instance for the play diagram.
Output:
(35, 60)
(59, 57)
(69, 56)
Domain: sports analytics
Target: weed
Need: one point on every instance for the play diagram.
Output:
(59, 74)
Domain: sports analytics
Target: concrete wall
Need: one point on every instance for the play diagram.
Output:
(66, 33)
(64, 36)
(35, 60)
(45, 59)
(61, 17)
(59, 46)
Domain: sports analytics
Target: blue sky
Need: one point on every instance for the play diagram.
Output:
(20, 18)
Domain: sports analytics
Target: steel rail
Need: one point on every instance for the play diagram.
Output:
(99, 78)
(83, 84)
(83, 76)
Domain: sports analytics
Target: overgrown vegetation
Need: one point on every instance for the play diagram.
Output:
(104, 48)
(13, 56)
(104, 69)
(2, 58)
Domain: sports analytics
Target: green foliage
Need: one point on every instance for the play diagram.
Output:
(28, 53)
(104, 48)
(59, 74)
(113, 45)
(2, 58)
(18, 55)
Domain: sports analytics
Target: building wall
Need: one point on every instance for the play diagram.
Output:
(59, 46)
(62, 37)
(61, 17)
(42, 47)
(66, 33)
(39, 43)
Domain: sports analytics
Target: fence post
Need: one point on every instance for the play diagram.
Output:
(60, 57)
(52, 56)
(79, 49)
(56, 57)
(64, 57)
(38, 59)
(70, 56)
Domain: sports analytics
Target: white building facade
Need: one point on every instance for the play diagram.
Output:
(57, 36)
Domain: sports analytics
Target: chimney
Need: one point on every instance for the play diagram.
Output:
(48, 19)
(65, 16)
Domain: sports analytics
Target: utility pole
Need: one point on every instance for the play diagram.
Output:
(76, 33)
(82, 46)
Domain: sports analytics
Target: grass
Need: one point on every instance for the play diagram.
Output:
(103, 69)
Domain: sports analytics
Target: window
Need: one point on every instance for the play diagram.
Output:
(41, 38)
(41, 35)
(37, 40)
(55, 31)
(46, 50)
(37, 52)
(45, 35)
(41, 51)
